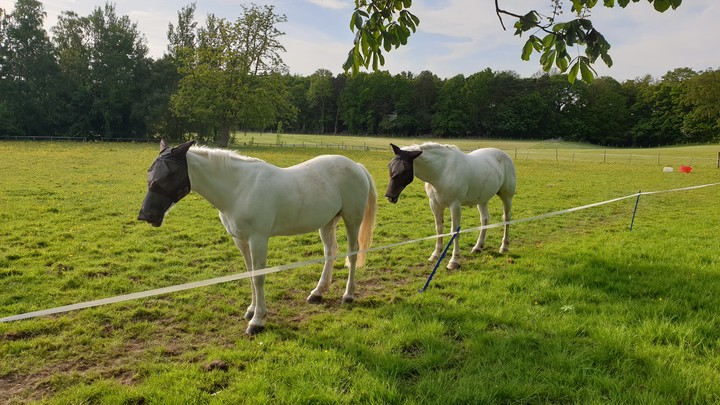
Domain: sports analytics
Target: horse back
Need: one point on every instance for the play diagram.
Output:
(493, 168)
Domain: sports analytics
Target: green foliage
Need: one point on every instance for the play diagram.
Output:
(580, 311)
(385, 24)
(230, 76)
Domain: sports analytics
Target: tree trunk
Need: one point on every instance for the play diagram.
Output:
(224, 138)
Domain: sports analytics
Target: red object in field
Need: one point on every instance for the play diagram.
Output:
(685, 169)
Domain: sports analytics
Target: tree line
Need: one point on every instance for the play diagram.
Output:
(93, 78)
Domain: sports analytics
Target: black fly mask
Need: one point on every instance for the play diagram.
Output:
(168, 183)
(401, 172)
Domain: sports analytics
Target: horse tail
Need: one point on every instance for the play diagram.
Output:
(368, 223)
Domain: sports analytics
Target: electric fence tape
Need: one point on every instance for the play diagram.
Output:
(289, 266)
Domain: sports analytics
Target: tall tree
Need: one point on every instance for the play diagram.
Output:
(231, 78)
(104, 58)
(702, 97)
(320, 96)
(29, 72)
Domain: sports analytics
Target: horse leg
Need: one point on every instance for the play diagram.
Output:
(455, 214)
(245, 250)
(484, 219)
(330, 248)
(438, 213)
(507, 213)
(258, 251)
(353, 229)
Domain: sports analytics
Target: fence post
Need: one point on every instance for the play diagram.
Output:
(718, 163)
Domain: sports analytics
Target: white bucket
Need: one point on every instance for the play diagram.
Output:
(667, 169)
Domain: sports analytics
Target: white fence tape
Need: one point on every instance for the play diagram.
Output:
(275, 269)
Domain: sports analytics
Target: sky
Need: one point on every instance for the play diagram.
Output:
(454, 36)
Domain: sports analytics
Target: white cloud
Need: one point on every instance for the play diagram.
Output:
(333, 4)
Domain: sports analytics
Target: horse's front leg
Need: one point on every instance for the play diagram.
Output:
(247, 256)
(258, 250)
(438, 213)
(455, 214)
(330, 248)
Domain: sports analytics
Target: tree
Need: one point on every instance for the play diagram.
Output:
(702, 96)
(103, 58)
(319, 97)
(382, 25)
(231, 75)
(29, 72)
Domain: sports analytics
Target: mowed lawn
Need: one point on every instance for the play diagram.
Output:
(582, 310)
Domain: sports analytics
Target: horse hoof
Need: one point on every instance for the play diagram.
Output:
(453, 266)
(314, 299)
(253, 330)
(249, 315)
(504, 250)
(348, 300)
(476, 250)
(433, 258)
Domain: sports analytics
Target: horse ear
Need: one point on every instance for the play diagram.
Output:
(395, 149)
(163, 145)
(414, 154)
(182, 148)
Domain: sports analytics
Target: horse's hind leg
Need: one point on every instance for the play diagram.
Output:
(507, 213)
(353, 229)
(245, 250)
(455, 215)
(330, 248)
(484, 220)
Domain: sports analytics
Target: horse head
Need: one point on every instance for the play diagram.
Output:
(401, 172)
(168, 182)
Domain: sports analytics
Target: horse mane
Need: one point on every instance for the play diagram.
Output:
(429, 146)
(222, 155)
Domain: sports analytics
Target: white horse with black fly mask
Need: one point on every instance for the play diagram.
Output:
(257, 200)
(454, 179)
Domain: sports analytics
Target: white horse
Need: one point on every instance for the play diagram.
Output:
(454, 179)
(257, 200)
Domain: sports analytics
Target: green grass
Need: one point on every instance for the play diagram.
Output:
(580, 311)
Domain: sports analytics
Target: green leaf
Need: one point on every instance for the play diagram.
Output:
(549, 40)
(586, 72)
(573, 72)
(561, 63)
(349, 61)
(549, 60)
(355, 22)
(387, 41)
(607, 59)
(527, 49)
(609, 3)
(661, 5)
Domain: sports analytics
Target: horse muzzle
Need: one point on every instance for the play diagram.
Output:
(392, 200)
(153, 220)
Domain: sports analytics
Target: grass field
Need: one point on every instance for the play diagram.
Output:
(580, 311)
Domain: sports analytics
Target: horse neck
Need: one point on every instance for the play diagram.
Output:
(430, 166)
(211, 179)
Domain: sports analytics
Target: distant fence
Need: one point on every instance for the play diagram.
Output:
(558, 154)
(603, 156)
(75, 139)
(324, 145)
